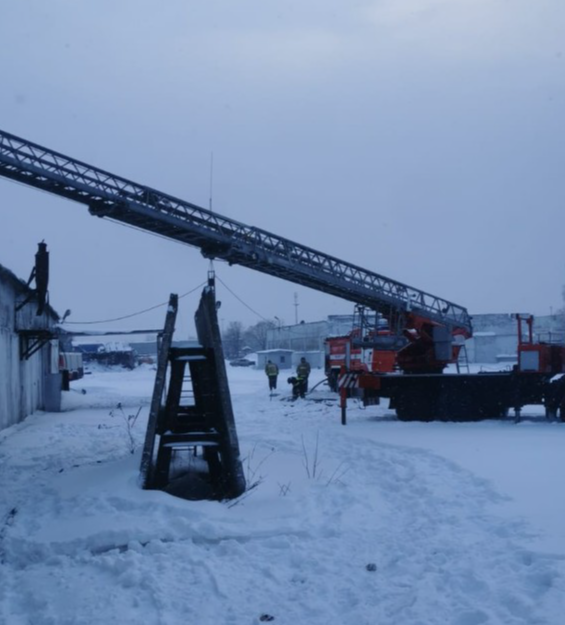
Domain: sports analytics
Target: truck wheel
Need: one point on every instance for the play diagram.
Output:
(550, 412)
(416, 408)
(332, 380)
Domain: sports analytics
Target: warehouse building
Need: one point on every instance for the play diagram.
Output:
(29, 351)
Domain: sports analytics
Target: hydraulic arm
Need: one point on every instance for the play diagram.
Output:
(116, 198)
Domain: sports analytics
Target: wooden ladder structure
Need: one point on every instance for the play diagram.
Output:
(191, 447)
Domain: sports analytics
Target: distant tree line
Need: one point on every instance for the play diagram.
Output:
(236, 338)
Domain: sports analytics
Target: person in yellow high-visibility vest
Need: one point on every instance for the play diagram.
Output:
(272, 371)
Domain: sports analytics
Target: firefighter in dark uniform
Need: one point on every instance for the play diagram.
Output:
(297, 386)
(302, 373)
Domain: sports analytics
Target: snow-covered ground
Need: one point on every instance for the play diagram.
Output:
(376, 522)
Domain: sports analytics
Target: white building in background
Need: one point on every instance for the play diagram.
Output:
(29, 353)
(308, 337)
(280, 357)
(495, 336)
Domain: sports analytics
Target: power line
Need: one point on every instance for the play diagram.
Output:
(141, 312)
(240, 300)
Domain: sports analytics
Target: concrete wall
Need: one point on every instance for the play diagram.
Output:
(495, 336)
(315, 358)
(301, 337)
(25, 385)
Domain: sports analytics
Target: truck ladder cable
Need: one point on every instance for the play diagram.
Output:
(119, 199)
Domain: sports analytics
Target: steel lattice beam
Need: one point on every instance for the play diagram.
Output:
(119, 199)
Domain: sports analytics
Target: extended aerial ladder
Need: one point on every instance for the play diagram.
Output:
(427, 323)
(113, 197)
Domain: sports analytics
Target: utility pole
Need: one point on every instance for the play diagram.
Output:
(279, 339)
(296, 308)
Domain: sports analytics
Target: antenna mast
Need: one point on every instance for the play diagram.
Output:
(211, 178)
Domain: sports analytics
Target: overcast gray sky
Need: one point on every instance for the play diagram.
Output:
(421, 139)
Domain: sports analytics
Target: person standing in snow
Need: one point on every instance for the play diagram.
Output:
(302, 373)
(272, 371)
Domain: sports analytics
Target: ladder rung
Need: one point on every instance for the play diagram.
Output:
(190, 444)
(183, 437)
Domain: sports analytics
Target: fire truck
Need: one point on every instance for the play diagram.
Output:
(537, 378)
(403, 357)
(421, 346)
(359, 364)
(368, 347)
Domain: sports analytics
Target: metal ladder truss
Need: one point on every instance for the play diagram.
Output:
(119, 199)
